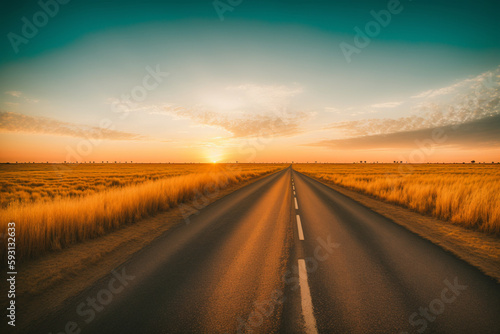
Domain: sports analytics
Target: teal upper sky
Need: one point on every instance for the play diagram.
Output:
(464, 24)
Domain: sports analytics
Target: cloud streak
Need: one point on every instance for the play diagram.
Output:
(470, 118)
(487, 79)
(14, 93)
(479, 133)
(279, 123)
(18, 94)
(15, 122)
(480, 99)
(264, 113)
(386, 105)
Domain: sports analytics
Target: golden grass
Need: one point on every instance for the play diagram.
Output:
(463, 194)
(53, 224)
(47, 182)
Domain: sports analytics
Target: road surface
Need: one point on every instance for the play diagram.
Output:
(286, 254)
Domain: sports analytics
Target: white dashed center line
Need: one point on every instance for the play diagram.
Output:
(305, 293)
(299, 227)
(306, 301)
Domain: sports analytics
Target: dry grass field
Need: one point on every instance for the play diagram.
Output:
(57, 205)
(464, 194)
(47, 182)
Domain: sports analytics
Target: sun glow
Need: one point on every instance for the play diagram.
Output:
(214, 154)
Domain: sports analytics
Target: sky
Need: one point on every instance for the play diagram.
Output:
(250, 81)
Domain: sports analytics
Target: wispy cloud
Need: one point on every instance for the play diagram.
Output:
(18, 94)
(363, 110)
(265, 111)
(333, 110)
(479, 133)
(480, 100)
(470, 118)
(423, 94)
(488, 79)
(14, 93)
(15, 122)
(281, 123)
(387, 105)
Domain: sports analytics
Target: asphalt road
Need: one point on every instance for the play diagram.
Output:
(286, 254)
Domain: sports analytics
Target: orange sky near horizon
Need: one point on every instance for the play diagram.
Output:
(54, 149)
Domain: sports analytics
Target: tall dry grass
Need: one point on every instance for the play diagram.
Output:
(467, 195)
(52, 225)
(25, 183)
